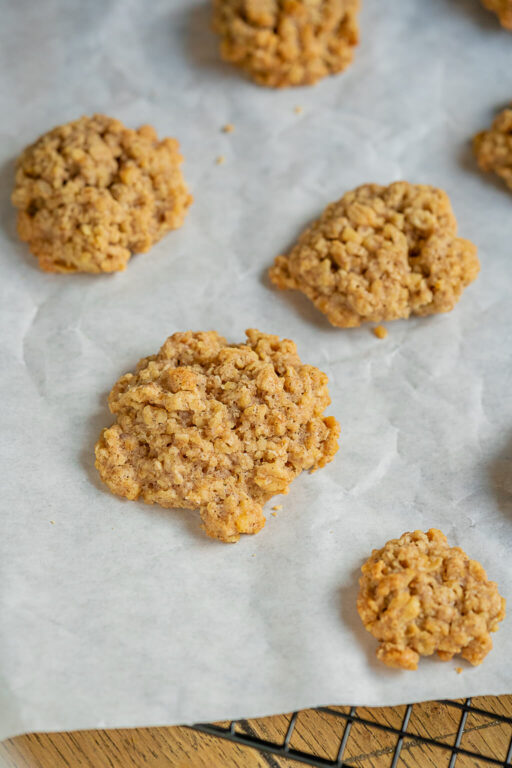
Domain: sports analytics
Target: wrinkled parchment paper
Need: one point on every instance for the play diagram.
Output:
(114, 613)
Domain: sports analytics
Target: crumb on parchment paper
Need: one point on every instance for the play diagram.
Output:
(380, 332)
(220, 159)
(228, 128)
(278, 507)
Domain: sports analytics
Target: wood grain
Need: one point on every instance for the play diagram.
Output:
(317, 733)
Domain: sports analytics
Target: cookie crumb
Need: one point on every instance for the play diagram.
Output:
(220, 159)
(52, 522)
(274, 514)
(298, 110)
(380, 332)
(458, 670)
(228, 128)
(278, 507)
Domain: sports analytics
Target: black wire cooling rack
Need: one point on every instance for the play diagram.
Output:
(472, 752)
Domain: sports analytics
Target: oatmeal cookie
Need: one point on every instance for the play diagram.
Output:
(92, 192)
(418, 596)
(381, 253)
(503, 9)
(215, 426)
(493, 148)
(287, 42)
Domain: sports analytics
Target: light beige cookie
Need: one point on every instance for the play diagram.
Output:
(217, 427)
(379, 254)
(92, 192)
(419, 596)
(287, 42)
(503, 9)
(493, 148)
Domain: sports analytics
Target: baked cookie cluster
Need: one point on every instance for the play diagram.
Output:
(287, 42)
(92, 192)
(503, 9)
(381, 253)
(493, 148)
(217, 427)
(419, 596)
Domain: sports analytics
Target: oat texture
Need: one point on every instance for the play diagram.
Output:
(287, 42)
(381, 253)
(92, 192)
(217, 427)
(503, 9)
(493, 148)
(419, 596)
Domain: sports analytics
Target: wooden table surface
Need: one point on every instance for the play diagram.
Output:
(315, 732)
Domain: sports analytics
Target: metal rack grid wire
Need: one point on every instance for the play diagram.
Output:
(350, 718)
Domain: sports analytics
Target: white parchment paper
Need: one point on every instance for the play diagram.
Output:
(114, 613)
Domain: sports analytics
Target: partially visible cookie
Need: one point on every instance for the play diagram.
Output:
(503, 9)
(217, 427)
(493, 148)
(287, 42)
(92, 192)
(379, 254)
(419, 596)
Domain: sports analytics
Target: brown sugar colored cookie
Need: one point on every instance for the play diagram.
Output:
(493, 148)
(217, 427)
(287, 42)
(92, 192)
(419, 596)
(503, 9)
(381, 253)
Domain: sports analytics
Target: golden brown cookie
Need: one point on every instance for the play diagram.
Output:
(287, 42)
(493, 148)
(503, 9)
(418, 596)
(92, 192)
(217, 427)
(381, 253)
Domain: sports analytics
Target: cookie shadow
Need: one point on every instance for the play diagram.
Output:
(468, 163)
(187, 519)
(500, 477)
(476, 11)
(346, 597)
(19, 250)
(202, 45)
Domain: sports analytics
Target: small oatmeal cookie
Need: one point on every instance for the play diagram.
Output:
(503, 9)
(217, 427)
(287, 42)
(419, 596)
(379, 254)
(92, 192)
(493, 148)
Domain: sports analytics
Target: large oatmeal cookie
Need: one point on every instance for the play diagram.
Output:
(381, 253)
(287, 42)
(92, 192)
(503, 9)
(220, 427)
(418, 596)
(493, 148)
